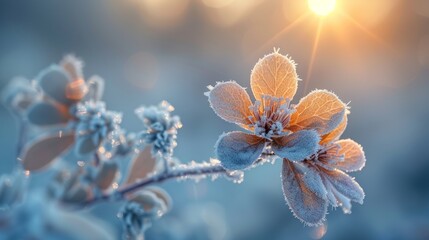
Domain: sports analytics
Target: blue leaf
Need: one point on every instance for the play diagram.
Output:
(238, 150)
(297, 146)
(304, 203)
(45, 114)
(85, 145)
(53, 82)
(345, 185)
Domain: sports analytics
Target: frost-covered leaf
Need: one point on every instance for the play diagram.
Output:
(231, 102)
(141, 165)
(238, 150)
(319, 110)
(86, 144)
(345, 185)
(297, 146)
(73, 66)
(95, 88)
(354, 157)
(42, 151)
(305, 204)
(150, 202)
(336, 133)
(161, 194)
(107, 174)
(46, 114)
(53, 82)
(274, 75)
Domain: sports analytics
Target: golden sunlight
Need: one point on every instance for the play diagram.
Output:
(322, 7)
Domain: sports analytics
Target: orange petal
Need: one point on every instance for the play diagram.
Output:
(336, 133)
(274, 75)
(231, 102)
(44, 150)
(354, 157)
(319, 110)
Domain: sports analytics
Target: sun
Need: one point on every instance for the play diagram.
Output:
(322, 7)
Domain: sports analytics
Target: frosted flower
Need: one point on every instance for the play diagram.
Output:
(133, 220)
(291, 132)
(95, 123)
(160, 128)
(62, 86)
(311, 185)
(144, 206)
(20, 94)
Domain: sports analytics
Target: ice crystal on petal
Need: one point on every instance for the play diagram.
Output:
(270, 116)
(160, 128)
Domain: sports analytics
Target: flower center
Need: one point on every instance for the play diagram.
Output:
(271, 116)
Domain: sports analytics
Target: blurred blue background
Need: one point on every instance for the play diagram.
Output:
(374, 54)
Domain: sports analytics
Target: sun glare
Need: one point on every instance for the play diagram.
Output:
(322, 7)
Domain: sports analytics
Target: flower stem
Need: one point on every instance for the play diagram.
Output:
(21, 137)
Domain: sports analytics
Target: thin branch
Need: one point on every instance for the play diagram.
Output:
(158, 178)
(174, 173)
(22, 135)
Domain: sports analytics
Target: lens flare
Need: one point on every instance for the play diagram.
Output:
(322, 7)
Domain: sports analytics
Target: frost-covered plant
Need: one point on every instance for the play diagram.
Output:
(70, 137)
(303, 135)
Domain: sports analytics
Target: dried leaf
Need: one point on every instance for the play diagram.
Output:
(107, 174)
(238, 150)
(274, 75)
(304, 203)
(46, 149)
(231, 102)
(354, 157)
(345, 185)
(46, 114)
(141, 165)
(336, 133)
(319, 110)
(297, 146)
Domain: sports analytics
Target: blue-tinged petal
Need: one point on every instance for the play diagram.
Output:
(297, 146)
(311, 178)
(304, 203)
(238, 150)
(85, 145)
(345, 185)
(45, 114)
(54, 82)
